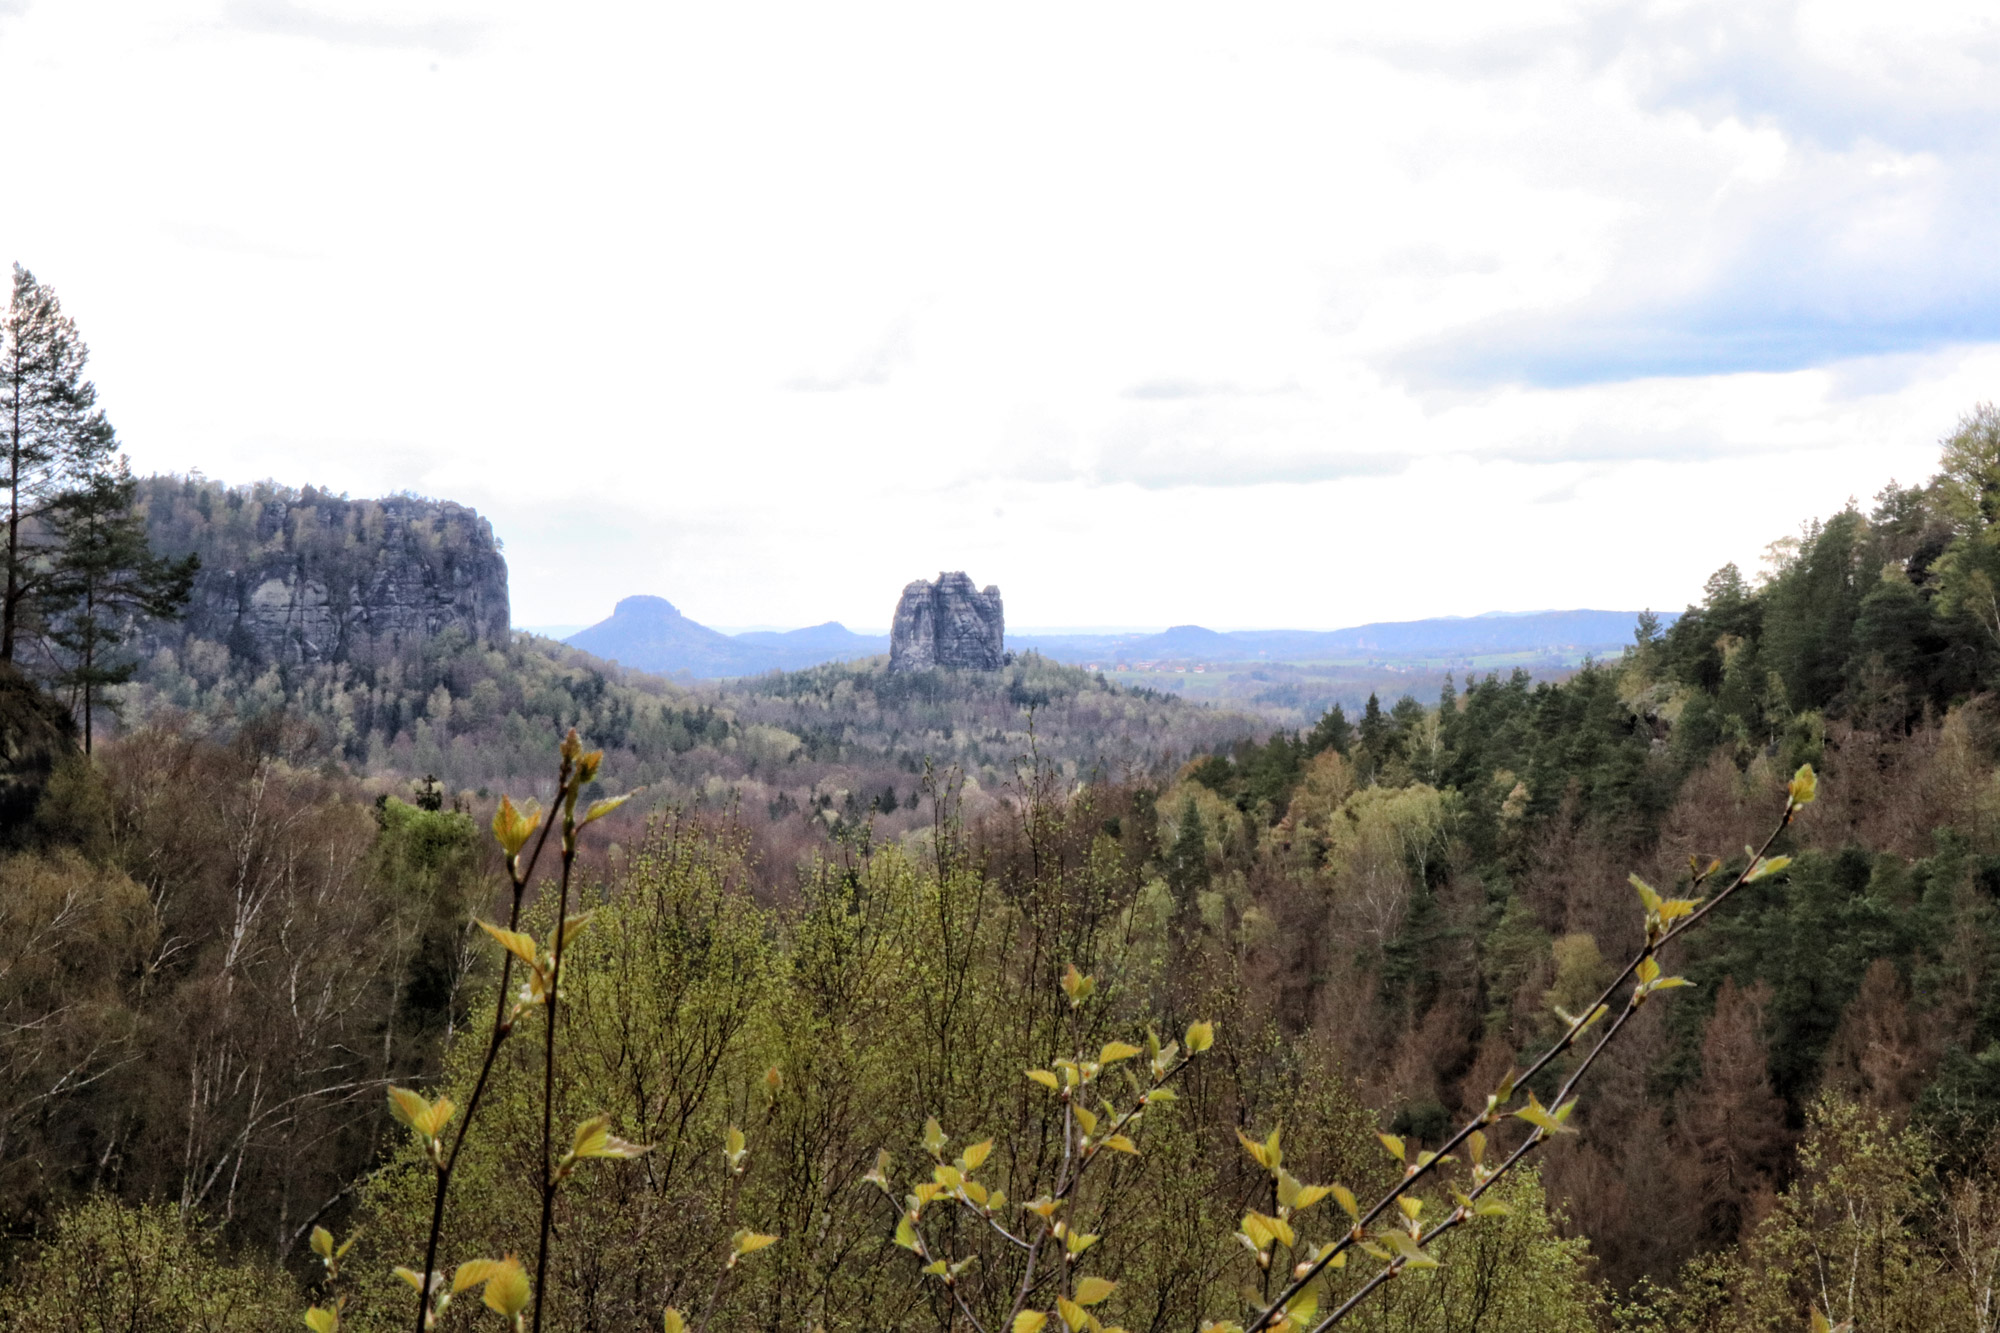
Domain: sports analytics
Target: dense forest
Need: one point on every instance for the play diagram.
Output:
(846, 909)
(368, 627)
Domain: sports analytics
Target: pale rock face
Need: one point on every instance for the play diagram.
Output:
(369, 579)
(949, 623)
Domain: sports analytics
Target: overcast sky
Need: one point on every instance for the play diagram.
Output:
(1231, 314)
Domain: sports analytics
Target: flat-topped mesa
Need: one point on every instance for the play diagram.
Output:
(306, 577)
(948, 623)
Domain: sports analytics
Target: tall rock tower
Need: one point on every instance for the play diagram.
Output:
(948, 623)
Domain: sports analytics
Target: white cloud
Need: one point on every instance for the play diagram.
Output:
(1263, 315)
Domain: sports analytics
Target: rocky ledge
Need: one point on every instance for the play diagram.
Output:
(949, 623)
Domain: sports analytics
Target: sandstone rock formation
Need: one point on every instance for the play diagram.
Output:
(948, 623)
(304, 576)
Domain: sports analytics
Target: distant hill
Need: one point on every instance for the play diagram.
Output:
(650, 634)
(815, 644)
(1567, 634)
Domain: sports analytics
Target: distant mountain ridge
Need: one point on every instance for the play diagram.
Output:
(649, 633)
(1563, 633)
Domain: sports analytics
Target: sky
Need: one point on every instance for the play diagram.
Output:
(1241, 315)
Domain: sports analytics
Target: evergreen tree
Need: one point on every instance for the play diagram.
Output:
(101, 576)
(52, 436)
(1187, 862)
(1374, 726)
(1333, 732)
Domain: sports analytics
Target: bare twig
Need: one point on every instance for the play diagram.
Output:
(1496, 1105)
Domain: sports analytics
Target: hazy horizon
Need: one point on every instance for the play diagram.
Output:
(1440, 308)
(563, 630)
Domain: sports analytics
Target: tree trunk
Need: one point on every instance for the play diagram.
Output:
(13, 523)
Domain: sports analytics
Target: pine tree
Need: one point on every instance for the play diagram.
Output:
(52, 436)
(1187, 862)
(101, 577)
(1332, 733)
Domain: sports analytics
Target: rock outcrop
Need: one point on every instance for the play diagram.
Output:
(948, 623)
(303, 576)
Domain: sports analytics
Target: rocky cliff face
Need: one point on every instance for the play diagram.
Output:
(948, 623)
(305, 577)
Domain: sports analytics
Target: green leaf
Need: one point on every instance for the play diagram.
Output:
(573, 927)
(1116, 1051)
(507, 1291)
(1348, 1204)
(1647, 895)
(512, 827)
(1673, 909)
(1543, 1119)
(1407, 1249)
(1200, 1036)
(1263, 1229)
(1049, 1081)
(746, 1241)
(1073, 1315)
(475, 1271)
(599, 809)
(323, 1319)
(673, 1322)
(934, 1137)
(427, 1119)
(409, 1107)
(906, 1235)
(1094, 1290)
(322, 1242)
(976, 1155)
(595, 1139)
(1029, 1321)
(1804, 786)
(1394, 1145)
(1766, 867)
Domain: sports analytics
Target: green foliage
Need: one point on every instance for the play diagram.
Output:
(108, 1267)
(53, 440)
(1513, 1273)
(103, 577)
(1860, 1235)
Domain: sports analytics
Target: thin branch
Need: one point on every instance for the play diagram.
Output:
(1496, 1104)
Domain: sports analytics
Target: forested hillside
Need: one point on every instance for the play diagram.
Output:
(375, 630)
(855, 912)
